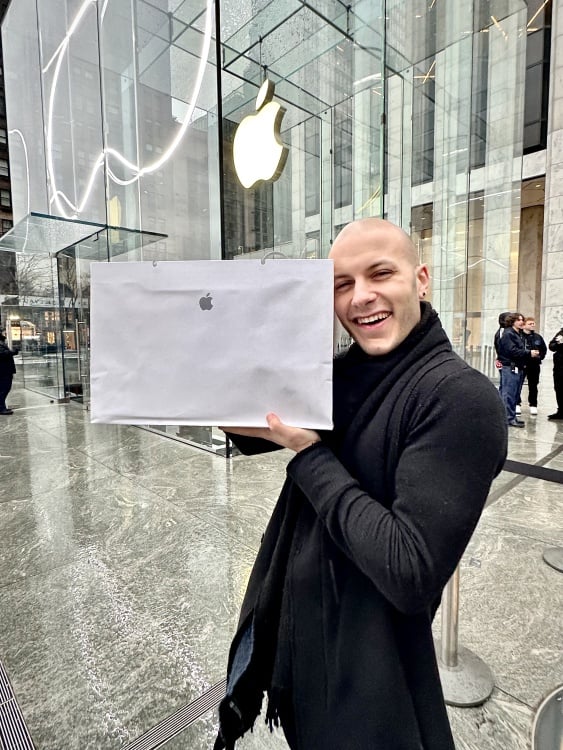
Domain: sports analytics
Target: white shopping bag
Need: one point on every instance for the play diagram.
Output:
(220, 342)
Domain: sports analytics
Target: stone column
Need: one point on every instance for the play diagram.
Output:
(552, 274)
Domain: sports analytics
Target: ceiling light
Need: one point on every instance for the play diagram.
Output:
(536, 14)
(367, 78)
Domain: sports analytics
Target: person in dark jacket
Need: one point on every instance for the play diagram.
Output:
(501, 326)
(374, 516)
(533, 340)
(556, 346)
(514, 357)
(7, 370)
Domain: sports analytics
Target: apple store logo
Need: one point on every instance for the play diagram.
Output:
(206, 303)
(258, 151)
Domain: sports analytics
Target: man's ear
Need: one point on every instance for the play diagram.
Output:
(422, 280)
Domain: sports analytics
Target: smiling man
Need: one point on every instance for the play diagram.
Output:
(372, 521)
(377, 284)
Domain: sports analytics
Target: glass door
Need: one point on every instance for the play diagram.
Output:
(73, 267)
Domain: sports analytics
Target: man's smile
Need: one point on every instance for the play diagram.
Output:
(372, 320)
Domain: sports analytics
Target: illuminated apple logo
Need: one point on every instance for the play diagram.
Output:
(206, 303)
(258, 151)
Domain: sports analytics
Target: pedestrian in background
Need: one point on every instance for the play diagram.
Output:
(501, 326)
(514, 358)
(533, 340)
(7, 370)
(556, 346)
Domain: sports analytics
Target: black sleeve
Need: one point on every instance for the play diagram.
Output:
(554, 346)
(456, 446)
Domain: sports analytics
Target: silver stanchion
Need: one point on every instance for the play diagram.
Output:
(466, 679)
(553, 556)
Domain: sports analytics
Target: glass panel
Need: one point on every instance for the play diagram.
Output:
(160, 104)
(451, 165)
(331, 88)
(73, 270)
(500, 180)
(24, 113)
(465, 164)
(43, 235)
(33, 324)
(71, 109)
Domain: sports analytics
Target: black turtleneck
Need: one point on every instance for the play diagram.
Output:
(356, 373)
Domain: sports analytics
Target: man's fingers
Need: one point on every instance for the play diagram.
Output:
(273, 420)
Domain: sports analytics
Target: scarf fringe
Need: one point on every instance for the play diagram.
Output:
(273, 711)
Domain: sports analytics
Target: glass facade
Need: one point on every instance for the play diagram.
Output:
(409, 110)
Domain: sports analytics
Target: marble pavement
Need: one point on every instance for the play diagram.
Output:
(124, 558)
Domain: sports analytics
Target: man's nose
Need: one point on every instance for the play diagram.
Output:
(364, 292)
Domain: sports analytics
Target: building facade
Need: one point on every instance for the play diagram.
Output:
(444, 117)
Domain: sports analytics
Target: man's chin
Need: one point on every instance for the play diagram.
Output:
(375, 347)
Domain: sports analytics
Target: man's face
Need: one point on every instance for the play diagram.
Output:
(377, 284)
(529, 326)
(519, 323)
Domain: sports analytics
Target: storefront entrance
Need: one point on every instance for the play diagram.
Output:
(48, 321)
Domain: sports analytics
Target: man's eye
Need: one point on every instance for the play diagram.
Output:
(382, 274)
(341, 286)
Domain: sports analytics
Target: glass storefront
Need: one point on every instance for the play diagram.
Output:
(409, 110)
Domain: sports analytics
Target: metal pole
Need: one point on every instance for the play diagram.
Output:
(466, 679)
(553, 556)
(450, 622)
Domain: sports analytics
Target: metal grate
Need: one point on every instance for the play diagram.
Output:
(180, 720)
(14, 734)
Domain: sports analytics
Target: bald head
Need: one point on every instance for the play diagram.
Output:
(378, 284)
(378, 233)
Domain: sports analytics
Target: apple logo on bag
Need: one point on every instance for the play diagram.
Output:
(206, 303)
(258, 152)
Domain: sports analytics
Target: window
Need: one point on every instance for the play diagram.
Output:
(3, 136)
(6, 225)
(343, 154)
(4, 169)
(5, 199)
(312, 166)
(537, 75)
(423, 113)
(479, 102)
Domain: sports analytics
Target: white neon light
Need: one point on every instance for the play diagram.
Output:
(71, 29)
(58, 197)
(15, 131)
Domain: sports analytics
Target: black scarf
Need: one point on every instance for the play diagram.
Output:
(256, 663)
(356, 374)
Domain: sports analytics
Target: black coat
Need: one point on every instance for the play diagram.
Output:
(385, 515)
(533, 340)
(7, 366)
(557, 349)
(511, 349)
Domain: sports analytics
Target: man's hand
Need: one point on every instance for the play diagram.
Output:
(294, 438)
(535, 353)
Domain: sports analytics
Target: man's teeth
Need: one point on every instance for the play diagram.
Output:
(373, 318)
